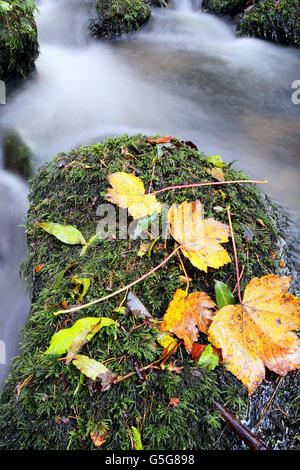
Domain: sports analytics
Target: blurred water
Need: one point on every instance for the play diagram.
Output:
(185, 74)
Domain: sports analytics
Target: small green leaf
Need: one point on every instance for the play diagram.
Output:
(223, 295)
(62, 273)
(63, 339)
(208, 359)
(216, 160)
(65, 233)
(137, 441)
(94, 370)
(5, 6)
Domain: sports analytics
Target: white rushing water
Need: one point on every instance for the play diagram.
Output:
(185, 74)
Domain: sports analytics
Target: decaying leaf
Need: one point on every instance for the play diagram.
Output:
(128, 192)
(217, 173)
(95, 371)
(198, 349)
(65, 233)
(89, 326)
(260, 332)
(174, 401)
(99, 435)
(81, 285)
(199, 238)
(188, 313)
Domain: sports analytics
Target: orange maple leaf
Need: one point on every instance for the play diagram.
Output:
(161, 140)
(174, 401)
(186, 314)
(199, 238)
(128, 192)
(259, 332)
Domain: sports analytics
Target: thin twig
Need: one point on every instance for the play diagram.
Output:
(97, 301)
(235, 256)
(268, 404)
(198, 185)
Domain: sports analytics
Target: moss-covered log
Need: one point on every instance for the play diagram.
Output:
(44, 405)
(18, 39)
(275, 21)
(118, 17)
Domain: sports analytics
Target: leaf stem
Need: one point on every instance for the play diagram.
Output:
(198, 185)
(94, 302)
(235, 256)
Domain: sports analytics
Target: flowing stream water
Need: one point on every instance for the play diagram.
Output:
(184, 74)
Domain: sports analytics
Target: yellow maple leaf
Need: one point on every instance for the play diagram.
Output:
(259, 332)
(188, 313)
(128, 192)
(199, 238)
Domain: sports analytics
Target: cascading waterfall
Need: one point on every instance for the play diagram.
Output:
(184, 74)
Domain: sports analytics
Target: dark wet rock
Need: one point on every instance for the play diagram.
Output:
(274, 20)
(65, 191)
(117, 17)
(17, 156)
(224, 7)
(18, 41)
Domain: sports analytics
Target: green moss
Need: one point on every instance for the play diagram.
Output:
(47, 413)
(17, 156)
(224, 7)
(274, 21)
(118, 17)
(18, 40)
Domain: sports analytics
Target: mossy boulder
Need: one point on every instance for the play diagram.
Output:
(224, 7)
(119, 17)
(17, 156)
(18, 40)
(54, 408)
(277, 21)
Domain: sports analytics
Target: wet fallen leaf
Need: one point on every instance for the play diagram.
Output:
(199, 238)
(63, 339)
(128, 192)
(187, 314)
(208, 359)
(65, 233)
(216, 160)
(95, 371)
(82, 285)
(174, 401)
(161, 140)
(217, 173)
(223, 295)
(39, 267)
(99, 435)
(260, 332)
(198, 349)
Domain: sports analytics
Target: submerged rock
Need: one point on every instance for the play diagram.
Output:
(17, 156)
(18, 40)
(277, 21)
(118, 17)
(45, 404)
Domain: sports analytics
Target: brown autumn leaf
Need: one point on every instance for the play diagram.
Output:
(200, 238)
(128, 192)
(260, 332)
(187, 314)
(99, 436)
